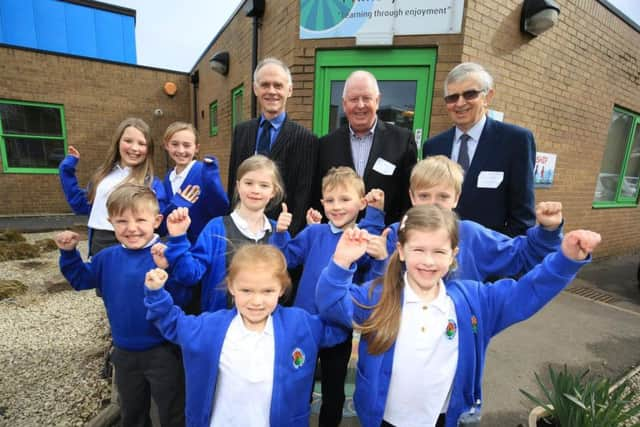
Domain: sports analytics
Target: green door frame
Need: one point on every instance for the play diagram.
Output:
(386, 64)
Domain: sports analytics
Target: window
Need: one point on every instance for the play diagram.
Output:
(213, 118)
(617, 183)
(32, 136)
(236, 106)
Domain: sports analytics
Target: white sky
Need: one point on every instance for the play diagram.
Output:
(173, 34)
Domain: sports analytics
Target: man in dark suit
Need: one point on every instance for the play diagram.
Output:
(498, 158)
(273, 134)
(382, 154)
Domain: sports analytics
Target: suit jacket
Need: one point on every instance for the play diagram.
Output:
(394, 144)
(503, 148)
(294, 151)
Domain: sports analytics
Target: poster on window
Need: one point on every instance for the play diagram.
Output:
(544, 169)
(371, 19)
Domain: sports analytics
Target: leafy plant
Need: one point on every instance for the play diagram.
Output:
(573, 400)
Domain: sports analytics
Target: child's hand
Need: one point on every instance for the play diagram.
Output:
(578, 244)
(375, 198)
(377, 246)
(154, 279)
(72, 151)
(67, 240)
(549, 215)
(178, 222)
(157, 252)
(351, 246)
(313, 216)
(284, 219)
(190, 193)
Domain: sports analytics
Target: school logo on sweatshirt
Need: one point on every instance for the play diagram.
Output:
(298, 357)
(451, 329)
(474, 324)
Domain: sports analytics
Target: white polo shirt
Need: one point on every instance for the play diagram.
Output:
(98, 217)
(245, 377)
(424, 362)
(243, 226)
(177, 179)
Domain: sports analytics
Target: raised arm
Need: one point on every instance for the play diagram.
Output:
(75, 195)
(80, 275)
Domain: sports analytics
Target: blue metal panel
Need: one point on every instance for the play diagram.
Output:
(50, 25)
(17, 23)
(109, 35)
(81, 30)
(129, 39)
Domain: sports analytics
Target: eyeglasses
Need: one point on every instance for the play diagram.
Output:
(468, 95)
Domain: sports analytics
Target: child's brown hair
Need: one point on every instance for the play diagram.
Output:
(252, 256)
(134, 197)
(140, 174)
(343, 176)
(381, 328)
(436, 170)
(257, 162)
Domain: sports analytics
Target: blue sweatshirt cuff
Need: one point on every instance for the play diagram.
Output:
(336, 273)
(564, 266)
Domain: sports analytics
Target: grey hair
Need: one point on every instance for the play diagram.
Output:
(462, 72)
(358, 73)
(275, 61)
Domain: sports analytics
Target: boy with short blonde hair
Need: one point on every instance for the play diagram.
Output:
(484, 254)
(146, 364)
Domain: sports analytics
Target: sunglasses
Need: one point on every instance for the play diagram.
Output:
(468, 95)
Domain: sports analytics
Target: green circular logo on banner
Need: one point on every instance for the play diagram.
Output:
(319, 15)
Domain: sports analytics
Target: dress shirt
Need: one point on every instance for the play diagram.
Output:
(361, 147)
(177, 179)
(98, 217)
(245, 377)
(424, 361)
(276, 125)
(243, 226)
(474, 137)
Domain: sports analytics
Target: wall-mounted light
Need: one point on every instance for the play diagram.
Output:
(219, 62)
(538, 16)
(170, 88)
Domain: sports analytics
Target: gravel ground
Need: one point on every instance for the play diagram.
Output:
(52, 341)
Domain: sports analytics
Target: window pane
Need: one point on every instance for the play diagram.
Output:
(30, 120)
(630, 183)
(34, 153)
(613, 157)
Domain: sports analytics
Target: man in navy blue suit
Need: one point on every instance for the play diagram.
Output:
(498, 158)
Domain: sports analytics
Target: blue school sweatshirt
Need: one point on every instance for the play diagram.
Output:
(213, 201)
(297, 335)
(119, 274)
(482, 311)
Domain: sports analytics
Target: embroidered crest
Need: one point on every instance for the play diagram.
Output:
(298, 357)
(451, 329)
(474, 324)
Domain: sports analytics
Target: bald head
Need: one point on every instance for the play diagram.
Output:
(360, 101)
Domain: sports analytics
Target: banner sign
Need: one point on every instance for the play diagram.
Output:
(321, 19)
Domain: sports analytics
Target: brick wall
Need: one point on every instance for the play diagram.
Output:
(563, 85)
(96, 96)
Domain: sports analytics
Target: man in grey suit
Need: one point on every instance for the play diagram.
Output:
(274, 135)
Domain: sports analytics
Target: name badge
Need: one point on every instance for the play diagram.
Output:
(490, 179)
(384, 167)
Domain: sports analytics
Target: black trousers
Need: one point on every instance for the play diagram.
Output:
(141, 375)
(439, 422)
(333, 369)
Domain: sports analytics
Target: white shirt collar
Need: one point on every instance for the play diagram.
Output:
(474, 132)
(173, 175)
(151, 242)
(244, 225)
(441, 301)
(268, 327)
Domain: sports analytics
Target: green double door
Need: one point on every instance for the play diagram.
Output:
(405, 78)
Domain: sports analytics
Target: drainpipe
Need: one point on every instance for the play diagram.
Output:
(195, 80)
(254, 62)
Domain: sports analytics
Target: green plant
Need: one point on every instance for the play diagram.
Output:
(574, 400)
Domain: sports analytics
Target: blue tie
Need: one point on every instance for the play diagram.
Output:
(264, 143)
(463, 154)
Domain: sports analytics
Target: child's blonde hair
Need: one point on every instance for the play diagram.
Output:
(252, 256)
(140, 174)
(258, 162)
(381, 328)
(342, 176)
(134, 197)
(436, 170)
(180, 126)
